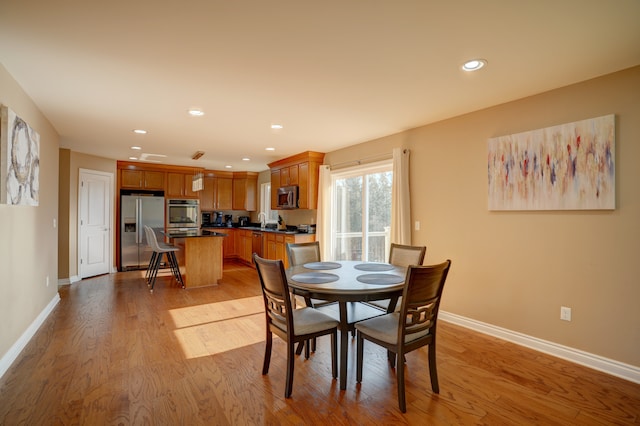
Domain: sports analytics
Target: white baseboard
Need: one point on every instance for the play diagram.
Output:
(66, 281)
(615, 368)
(14, 351)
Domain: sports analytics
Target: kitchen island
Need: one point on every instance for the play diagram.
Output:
(200, 256)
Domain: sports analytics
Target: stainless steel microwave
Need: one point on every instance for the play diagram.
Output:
(288, 197)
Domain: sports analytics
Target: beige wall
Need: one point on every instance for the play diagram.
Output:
(515, 269)
(70, 165)
(28, 239)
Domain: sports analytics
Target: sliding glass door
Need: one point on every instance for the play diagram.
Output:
(362, 214)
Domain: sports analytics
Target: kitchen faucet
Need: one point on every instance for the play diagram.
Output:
(262, 215)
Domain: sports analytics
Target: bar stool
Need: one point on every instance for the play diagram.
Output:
(156, 259)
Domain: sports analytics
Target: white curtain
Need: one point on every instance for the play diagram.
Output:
(323, 225)
(400, 198)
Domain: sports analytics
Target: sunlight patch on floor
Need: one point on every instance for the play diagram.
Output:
(214, 328)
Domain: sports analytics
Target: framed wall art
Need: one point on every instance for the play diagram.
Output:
(565, 167)
(19, 160)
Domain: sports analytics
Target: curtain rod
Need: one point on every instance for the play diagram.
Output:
(364, 160)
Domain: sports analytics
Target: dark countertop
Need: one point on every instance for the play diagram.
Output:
(254, 228)
(205, 232)
(275, 231)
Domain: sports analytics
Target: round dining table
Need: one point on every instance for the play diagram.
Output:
(348, 282)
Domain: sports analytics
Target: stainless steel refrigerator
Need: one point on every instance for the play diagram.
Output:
(136, 211)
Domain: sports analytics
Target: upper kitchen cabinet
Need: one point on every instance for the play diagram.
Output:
(301, 170)
(179, 185)
(245, 191)
(141, 179)
(218, 191)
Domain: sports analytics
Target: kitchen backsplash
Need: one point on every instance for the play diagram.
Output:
(292, 217)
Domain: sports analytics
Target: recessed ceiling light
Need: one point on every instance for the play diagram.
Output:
(137, 148)
(474, 64)
(140, 131)
(270, 149)
(133, 158)
(228, 166)
(277, 126)
(196, 112)
(246, 159)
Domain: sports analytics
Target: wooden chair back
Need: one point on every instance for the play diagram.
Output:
(301, 253)
(275, 292)
(403, 255)
(421, 300)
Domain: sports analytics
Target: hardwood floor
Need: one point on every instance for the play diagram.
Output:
(112, 353)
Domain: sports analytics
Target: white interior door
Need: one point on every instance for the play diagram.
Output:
(94, 221)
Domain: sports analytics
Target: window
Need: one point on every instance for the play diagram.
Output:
(265, 203)
(362, 215)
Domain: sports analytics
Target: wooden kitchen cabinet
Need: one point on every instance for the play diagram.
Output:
(179, 185)
(229, 243)
(289, 175)
(302, 170)
(245, 191)
(217, 193)
(276, 244)
(224, 194)
(141, 179)
(244, 245)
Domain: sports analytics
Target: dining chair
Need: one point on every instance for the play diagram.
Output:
(401, 255)
(291, 325)
(156, 258)
(413, 327)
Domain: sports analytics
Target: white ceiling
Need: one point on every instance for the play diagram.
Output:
(333, 72)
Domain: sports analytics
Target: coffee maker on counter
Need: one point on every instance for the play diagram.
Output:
(228, 220)
(213, 219)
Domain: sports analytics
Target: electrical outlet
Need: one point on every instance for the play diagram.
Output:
(417, 225)
(47, 280)
(565, 313)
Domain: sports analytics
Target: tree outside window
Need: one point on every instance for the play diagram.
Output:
(362, 214)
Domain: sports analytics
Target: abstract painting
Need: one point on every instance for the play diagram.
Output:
(19, 160)
(565, 167)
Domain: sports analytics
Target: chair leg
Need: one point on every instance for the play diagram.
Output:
(267, 353)
(334, 353)
(307, 347)
(175, 268)
(150, 267)
(301, 346)
(433, 371)
(391, 356)
(359, 356)
(154, 271)
(401, 396)
(290, 364)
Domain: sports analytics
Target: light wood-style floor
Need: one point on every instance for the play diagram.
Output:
(112, 353)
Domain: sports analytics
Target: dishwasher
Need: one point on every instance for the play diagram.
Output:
(257, 243)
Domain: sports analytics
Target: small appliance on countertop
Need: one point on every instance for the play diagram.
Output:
(243, 221)
(307, 229)
(214, 220)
